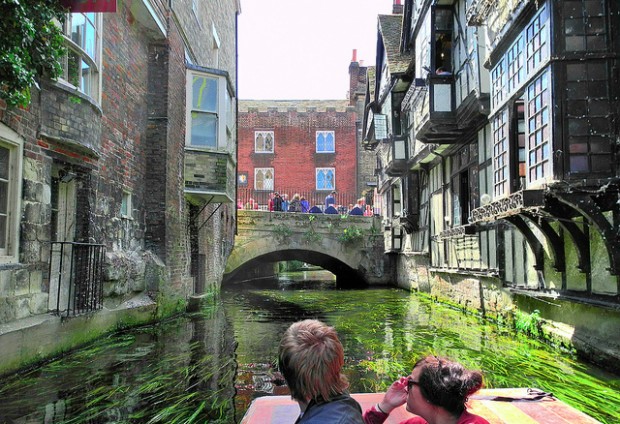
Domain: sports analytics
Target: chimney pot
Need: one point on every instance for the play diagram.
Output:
(354, 56)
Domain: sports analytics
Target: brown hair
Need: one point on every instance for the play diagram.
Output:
(446, 383)
(311, 357)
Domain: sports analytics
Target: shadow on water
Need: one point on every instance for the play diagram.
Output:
(209, 366)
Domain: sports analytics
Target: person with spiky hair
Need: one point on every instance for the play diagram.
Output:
(310, 358)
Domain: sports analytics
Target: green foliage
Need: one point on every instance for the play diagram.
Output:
(282, 233)
(351, 235)
(31, 46)
(528, 323)
(311, 237)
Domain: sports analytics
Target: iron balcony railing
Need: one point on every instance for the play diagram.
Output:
(76, 277)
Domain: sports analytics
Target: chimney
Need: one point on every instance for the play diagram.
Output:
(354, 59)
(397, 8)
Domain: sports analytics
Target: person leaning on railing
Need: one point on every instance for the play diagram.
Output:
(436, 391)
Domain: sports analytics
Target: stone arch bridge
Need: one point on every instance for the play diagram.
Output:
(351, 247)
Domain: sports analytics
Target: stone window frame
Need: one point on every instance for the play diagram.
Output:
(325, 178)
(83, 41)
(217, 111)
(127, 205)
(12, 180)
(260, 178)
(322, 142)
(264, 142)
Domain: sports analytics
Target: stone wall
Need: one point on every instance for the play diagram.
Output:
(592, 330)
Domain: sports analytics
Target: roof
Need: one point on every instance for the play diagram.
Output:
(390, 28)
(298, 105)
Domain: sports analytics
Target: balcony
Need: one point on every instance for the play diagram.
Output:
(397, 156)
(209, 176)
(437, 119)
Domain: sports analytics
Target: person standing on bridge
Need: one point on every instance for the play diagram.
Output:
(436, 391)
(310, 357)
(330, 199)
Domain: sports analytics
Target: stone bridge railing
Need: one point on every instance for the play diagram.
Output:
(349, 246)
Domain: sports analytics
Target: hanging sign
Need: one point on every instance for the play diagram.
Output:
(380, 127)
(85, 6)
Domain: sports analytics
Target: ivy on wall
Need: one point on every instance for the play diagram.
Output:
(31, 46)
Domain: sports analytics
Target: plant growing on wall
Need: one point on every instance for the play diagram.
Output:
(31, 46)
(351, 235)
(311, 236)
(282, 233)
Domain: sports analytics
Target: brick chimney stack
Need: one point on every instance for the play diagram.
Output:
(354, 72)
(397, 8)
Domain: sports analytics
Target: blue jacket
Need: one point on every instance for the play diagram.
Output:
(341, 410)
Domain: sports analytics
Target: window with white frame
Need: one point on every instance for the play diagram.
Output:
(126, 206)
(263, 178)
(81, 65)
(514, 59)
(523, 59)
(263, 141)
(10, 188)
(325, 142)
(325, 178)
(538, 129)
(208, 104)
(498, 82)
(537, 40)
(500, 154)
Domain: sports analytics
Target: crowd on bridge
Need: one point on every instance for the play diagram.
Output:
(298, 203)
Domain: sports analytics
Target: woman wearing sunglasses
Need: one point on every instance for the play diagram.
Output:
(436, 391)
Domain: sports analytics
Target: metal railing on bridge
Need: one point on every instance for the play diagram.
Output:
(248, 198)
(76, 277)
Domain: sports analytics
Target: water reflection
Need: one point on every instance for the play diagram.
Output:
(208, 367)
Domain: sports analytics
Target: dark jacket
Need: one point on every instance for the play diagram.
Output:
(341, 410)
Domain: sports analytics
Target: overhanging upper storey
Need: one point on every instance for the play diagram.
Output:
(210, 137)
(446, 100)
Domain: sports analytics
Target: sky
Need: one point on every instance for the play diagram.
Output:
(301, 49)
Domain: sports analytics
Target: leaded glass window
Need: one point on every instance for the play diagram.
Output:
(263, 178)
(538, 129)
(500, 154)
(325, 142)
(537, 36)
(263, 141)
(325, 178)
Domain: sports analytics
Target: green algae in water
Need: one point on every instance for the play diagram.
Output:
(188, 369)
(385, 331)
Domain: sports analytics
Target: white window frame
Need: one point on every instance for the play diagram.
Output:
(316, 180)
(538, 130)
(78, 49)
(220, 112)
(265, 135)
(127, 205)
(10, 140)
(265, 187)
(501, 154)
(325, 134)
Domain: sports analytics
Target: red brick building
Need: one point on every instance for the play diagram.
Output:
(306, 146)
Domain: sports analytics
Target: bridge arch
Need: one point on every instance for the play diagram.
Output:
(350, 247)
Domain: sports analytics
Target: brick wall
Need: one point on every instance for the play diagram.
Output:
(294, 125)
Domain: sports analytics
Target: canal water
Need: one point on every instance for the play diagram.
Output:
(207, 367)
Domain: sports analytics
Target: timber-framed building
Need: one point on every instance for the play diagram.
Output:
(496, 129)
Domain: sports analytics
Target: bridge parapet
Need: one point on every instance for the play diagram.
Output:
(339, 243)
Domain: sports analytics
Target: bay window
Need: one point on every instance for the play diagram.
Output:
(208, 106)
